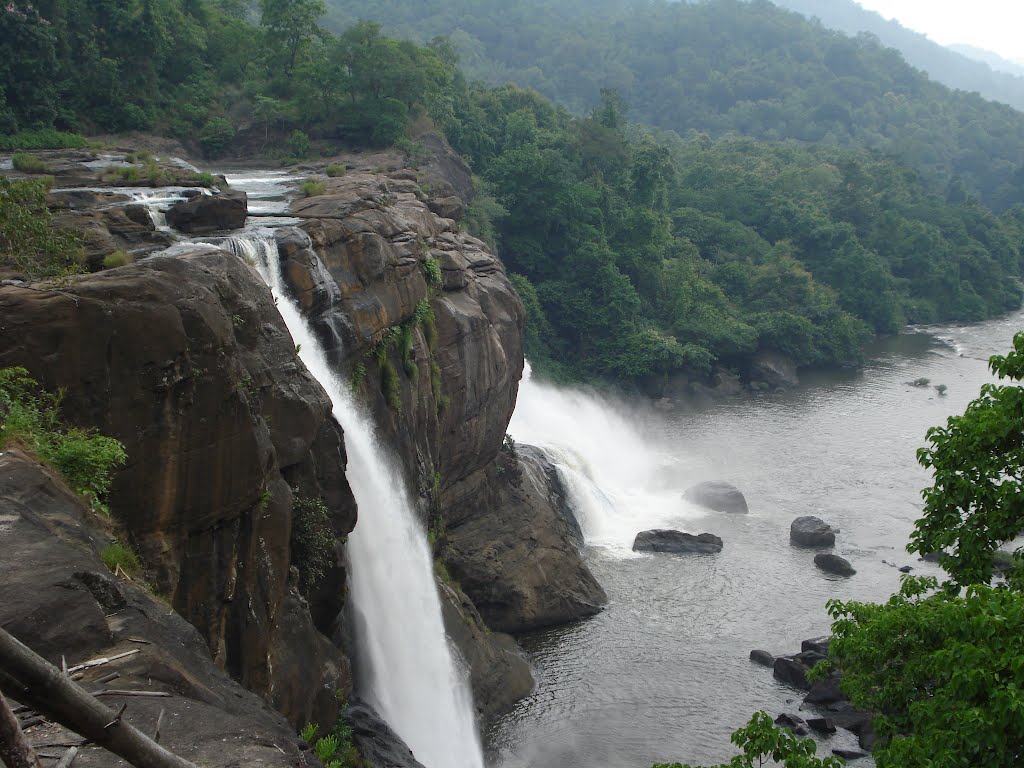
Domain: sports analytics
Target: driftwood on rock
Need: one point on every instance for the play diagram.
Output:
(32, 680)
(15, 750)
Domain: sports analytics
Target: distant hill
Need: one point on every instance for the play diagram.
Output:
(994, 60)
(729, 67)
(963, 67)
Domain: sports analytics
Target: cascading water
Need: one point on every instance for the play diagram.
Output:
(406, 669)
(618, 481)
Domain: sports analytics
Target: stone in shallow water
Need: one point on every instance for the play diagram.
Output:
(677, 542)
(721, 497)
(810, 531)
(794, 723)
(834, 564)
(763, 658)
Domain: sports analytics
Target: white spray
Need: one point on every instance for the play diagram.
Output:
(407, 670)
(618, 482)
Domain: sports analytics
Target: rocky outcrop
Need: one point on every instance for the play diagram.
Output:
(511, 546)
(835, 564)
(810, 531)
(721, 497)
(774, 370)
(187, 362)
(677, 542)
(378, 745)
(205, 214)
(57, 597)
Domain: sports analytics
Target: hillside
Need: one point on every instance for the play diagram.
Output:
(726, 67)
(963, 68)
(994, 60)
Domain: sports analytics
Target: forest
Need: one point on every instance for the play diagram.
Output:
(721, 67)
(638, 252)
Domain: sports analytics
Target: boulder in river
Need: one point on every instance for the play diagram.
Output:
(677, 542)
(821, 725)
(763, 658)
(792, 671)
(834, 564)
(849, 754)
(808, 531)
(721, 497)
(204, 214)
(379, 745)
(793, 723)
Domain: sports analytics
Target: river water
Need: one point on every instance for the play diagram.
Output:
(663, 673)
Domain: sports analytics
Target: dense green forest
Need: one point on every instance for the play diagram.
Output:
(638, 253)
(725, 66)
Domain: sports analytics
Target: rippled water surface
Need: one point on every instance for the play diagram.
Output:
(663, 674)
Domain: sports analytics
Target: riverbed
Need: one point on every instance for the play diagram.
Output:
(663, 673)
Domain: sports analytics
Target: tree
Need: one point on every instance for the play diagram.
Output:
(290, 25)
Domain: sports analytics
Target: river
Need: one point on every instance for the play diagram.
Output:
(663, 673)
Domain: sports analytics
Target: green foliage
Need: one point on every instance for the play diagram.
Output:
(974, 505)
(118, 555)
(943, 670)
(309, 731)
(313, 188)
(28, 163)
(299, 144)
(28, 242)
(118, 258)
(760, 741)
(45, 138)
(215, 136)
(432, 272)
(312, 542)
(325, 749)
(29, 416)
(391, 386)
(335, 169)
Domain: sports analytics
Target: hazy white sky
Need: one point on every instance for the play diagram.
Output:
(997, 25)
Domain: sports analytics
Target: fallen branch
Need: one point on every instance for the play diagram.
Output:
(39, 684)
(159, 722)
(116, 692)
(107, 678)
(69, 757)
(15, 749)
(102, 660)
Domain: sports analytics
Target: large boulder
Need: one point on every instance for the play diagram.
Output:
(721, 497)
(811, 531)
(794, 723)
(830, 563)
(512, 545)
(205, 214)
(677, 542)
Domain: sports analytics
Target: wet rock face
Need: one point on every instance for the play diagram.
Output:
(360, 265)
(57, 597)
(811, 532)
(187, 362)
(834, 564)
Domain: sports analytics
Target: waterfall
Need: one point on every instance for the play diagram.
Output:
(406, 670)
(618, 480)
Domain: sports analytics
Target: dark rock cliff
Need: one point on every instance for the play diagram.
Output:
(187, 362)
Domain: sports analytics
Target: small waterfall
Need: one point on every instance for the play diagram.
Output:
(406, 670)
(618, 481)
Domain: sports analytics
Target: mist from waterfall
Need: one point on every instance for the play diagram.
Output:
(619, 481)
(405, 668)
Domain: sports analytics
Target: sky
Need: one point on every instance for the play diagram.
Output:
(996, 25)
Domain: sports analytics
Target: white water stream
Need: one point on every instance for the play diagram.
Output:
(405, 667)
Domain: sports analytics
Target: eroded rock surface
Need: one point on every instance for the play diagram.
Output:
(721, 497)
(677, 542)
(187, 362)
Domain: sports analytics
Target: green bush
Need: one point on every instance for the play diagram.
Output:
(28, 163)
(432, 271)
(116, 259)
(335, 169)
(29, 416)
(313, 188)
(312, 542)
(120, 555)
(299, 144)
(42, 139)
(28, 242)
(216, 135)
(391, 386)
